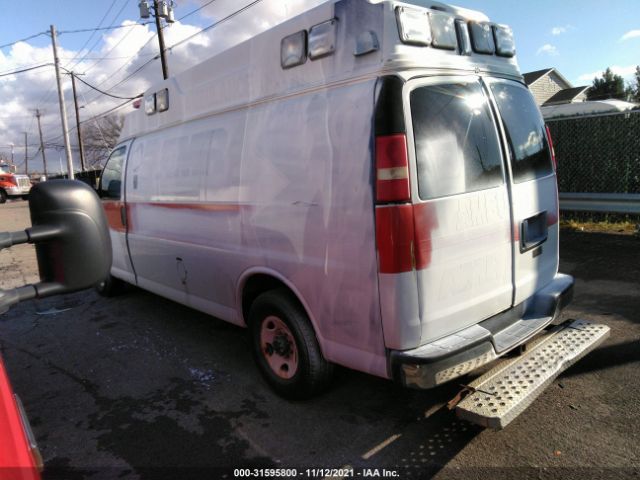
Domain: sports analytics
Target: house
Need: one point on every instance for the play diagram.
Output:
(549, 87)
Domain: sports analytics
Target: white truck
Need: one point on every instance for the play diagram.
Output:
(12, 184)
(368, 184)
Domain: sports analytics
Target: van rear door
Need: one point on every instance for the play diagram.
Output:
(461, 207)
(534, 193)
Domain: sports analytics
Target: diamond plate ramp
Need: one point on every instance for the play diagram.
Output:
(507, 390)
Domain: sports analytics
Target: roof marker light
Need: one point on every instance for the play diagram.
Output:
(482, 37)
(293, 49)
(443, 30)
(413, 26)
(322, 39)
(505, 45)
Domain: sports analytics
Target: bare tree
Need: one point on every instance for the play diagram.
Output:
(99, 137)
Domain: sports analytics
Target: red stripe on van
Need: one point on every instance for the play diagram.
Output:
(425, 221)
(208, 207)
(112, 212)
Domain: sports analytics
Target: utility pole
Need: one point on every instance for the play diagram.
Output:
(44, 159)
(75, 103)
(63, 109)
(162, 9)
(26, 155)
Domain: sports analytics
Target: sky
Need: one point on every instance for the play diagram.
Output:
(578, 37)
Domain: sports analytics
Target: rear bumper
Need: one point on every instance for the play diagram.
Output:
(457, 354)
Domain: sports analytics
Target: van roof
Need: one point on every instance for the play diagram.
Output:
(250, 72)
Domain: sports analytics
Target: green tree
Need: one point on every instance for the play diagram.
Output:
(634, 87)
(609, 85)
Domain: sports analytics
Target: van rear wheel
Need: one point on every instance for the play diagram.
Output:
(285, 346)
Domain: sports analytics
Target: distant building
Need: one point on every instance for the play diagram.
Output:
(549, 87)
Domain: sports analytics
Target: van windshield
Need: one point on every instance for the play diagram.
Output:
(456, 142)
(524, 126)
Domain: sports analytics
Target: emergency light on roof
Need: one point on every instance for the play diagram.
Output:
(482, 37)
(443, 31)
(293, 49)
(505, 44)
(413, 26)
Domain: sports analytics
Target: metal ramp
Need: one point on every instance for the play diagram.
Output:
(504, 392)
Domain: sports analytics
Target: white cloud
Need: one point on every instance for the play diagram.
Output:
(625, 72)
(548, 49)
(630, 34)
(559, 30)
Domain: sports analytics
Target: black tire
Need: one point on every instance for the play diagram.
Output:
(110, 286)
(3, 196)
(25, 197)
(313, 372)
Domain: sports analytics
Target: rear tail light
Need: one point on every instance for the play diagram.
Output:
(392, 169)
(395, 238)
(553, 152)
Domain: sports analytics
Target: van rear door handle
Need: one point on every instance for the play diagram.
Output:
(533, 231)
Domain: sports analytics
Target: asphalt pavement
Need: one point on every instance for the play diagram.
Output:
(139, 387)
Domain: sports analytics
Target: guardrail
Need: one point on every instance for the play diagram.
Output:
(626, 203)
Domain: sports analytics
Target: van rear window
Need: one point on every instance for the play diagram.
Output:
(456, 142)
(530, 157)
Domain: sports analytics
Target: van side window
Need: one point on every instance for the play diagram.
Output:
(456, 141)
(530, 156)
(111, 180)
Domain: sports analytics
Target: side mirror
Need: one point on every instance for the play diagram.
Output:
(72, 240)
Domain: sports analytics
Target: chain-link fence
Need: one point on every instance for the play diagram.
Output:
(598, 154)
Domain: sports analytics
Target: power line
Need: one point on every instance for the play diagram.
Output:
(196, 10)
(103, 92)
(23, 39)
(15, 72)
(98, 39)
(94, 32)
(96, 29)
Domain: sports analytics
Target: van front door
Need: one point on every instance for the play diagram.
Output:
(113, 201)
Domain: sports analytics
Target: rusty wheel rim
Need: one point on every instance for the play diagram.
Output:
(278, 347)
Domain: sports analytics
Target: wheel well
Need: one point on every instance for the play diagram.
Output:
(257, 285)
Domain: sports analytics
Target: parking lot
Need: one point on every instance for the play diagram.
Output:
(140, 387)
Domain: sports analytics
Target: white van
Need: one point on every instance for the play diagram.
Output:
(368, 184)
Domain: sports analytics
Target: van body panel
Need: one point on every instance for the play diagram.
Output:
(266, 186)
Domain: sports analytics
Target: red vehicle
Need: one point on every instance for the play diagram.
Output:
(12, 184)
(19, 455)
(74, 252)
